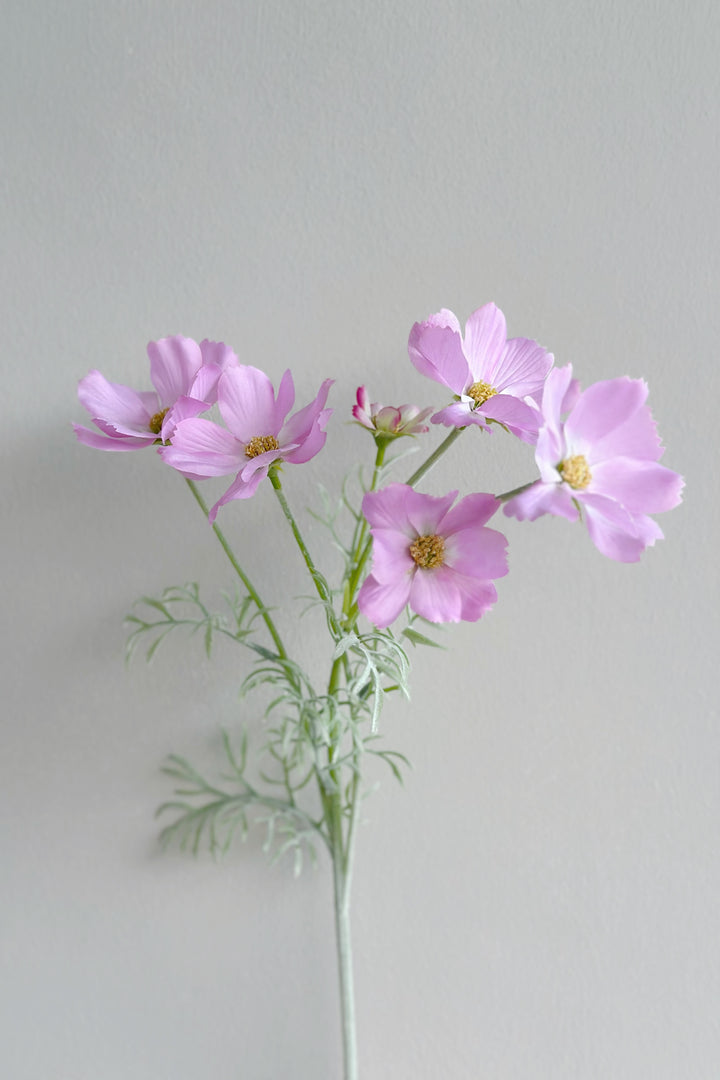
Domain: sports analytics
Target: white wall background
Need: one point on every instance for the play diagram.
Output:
(304, 181)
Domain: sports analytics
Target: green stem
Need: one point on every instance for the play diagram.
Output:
(318, 580)
(341, 891)
(435, 456)
(251, 590)
(515, 491)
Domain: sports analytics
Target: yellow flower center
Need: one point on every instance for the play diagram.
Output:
(481, 392)
(259, 444)
(428, 551)
(575, 471)
(156, 421)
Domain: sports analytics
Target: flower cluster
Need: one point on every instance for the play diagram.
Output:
(597, 451)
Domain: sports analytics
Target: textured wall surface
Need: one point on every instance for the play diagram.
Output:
(304, 181)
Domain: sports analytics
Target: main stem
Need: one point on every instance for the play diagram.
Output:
(341, 828)
(343, 940)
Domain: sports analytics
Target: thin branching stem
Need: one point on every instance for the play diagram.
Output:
(251, 590)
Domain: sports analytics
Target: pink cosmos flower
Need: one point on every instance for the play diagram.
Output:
(258, 433)
(387, 419)
(440, 561)
(603, 457)
(185, 377)
(491, 376)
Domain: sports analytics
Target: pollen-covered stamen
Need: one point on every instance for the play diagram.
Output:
(575, 471)
(481, 392)
(428, 551)
(156, 421)
(259, 444)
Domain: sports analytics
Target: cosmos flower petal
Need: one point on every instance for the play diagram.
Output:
(476, 597)
(387, 509)
(437, 352)
(174, 362)
(643, 487)
(460, 414)
(541, 499)
(301, 423)
(477, 552)
(555, 396)
(435, 595)
(522, 368)
(120, 405)
(612, 530)
(184, 409)
(521, 419)
(262, 461)
(602, 408)
(110, 442)
(239, 489)
(247, 403)
(382, 603)
(312, 443)
(201, 448)
(473, 510)
(485, 336)
(218, 354)
(285, 397)
(426, 512)
(391, 555)
(636, 438)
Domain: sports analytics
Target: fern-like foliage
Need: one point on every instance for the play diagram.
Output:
(152, 620)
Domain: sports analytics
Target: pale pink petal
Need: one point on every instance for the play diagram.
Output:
(260, 461)
(522, 368)
(647, 529)
(558, 390)
(121, 407)
(300, 425)
(425, 512)
(247, 403)
(436, 596)
(636, 438)
(542, 499)
(239, 489)
(391, 554)
(218, 354)
(363, 400)
(460, 414)
(109, 442)
(473, 510)
(436, 351)
(174, 362)
(521, 419)
(204, 385)
(485, 336)
(549, 452)
(477, 552)
(203, 448)
(387, 509)
(312, 443)
(642, 487)
(285, 398)
(447, 319)
(382, 604)
(612, 530)
(185, 408)
(477, 597)
(388, 418)
(362, 417)
(602, 408)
